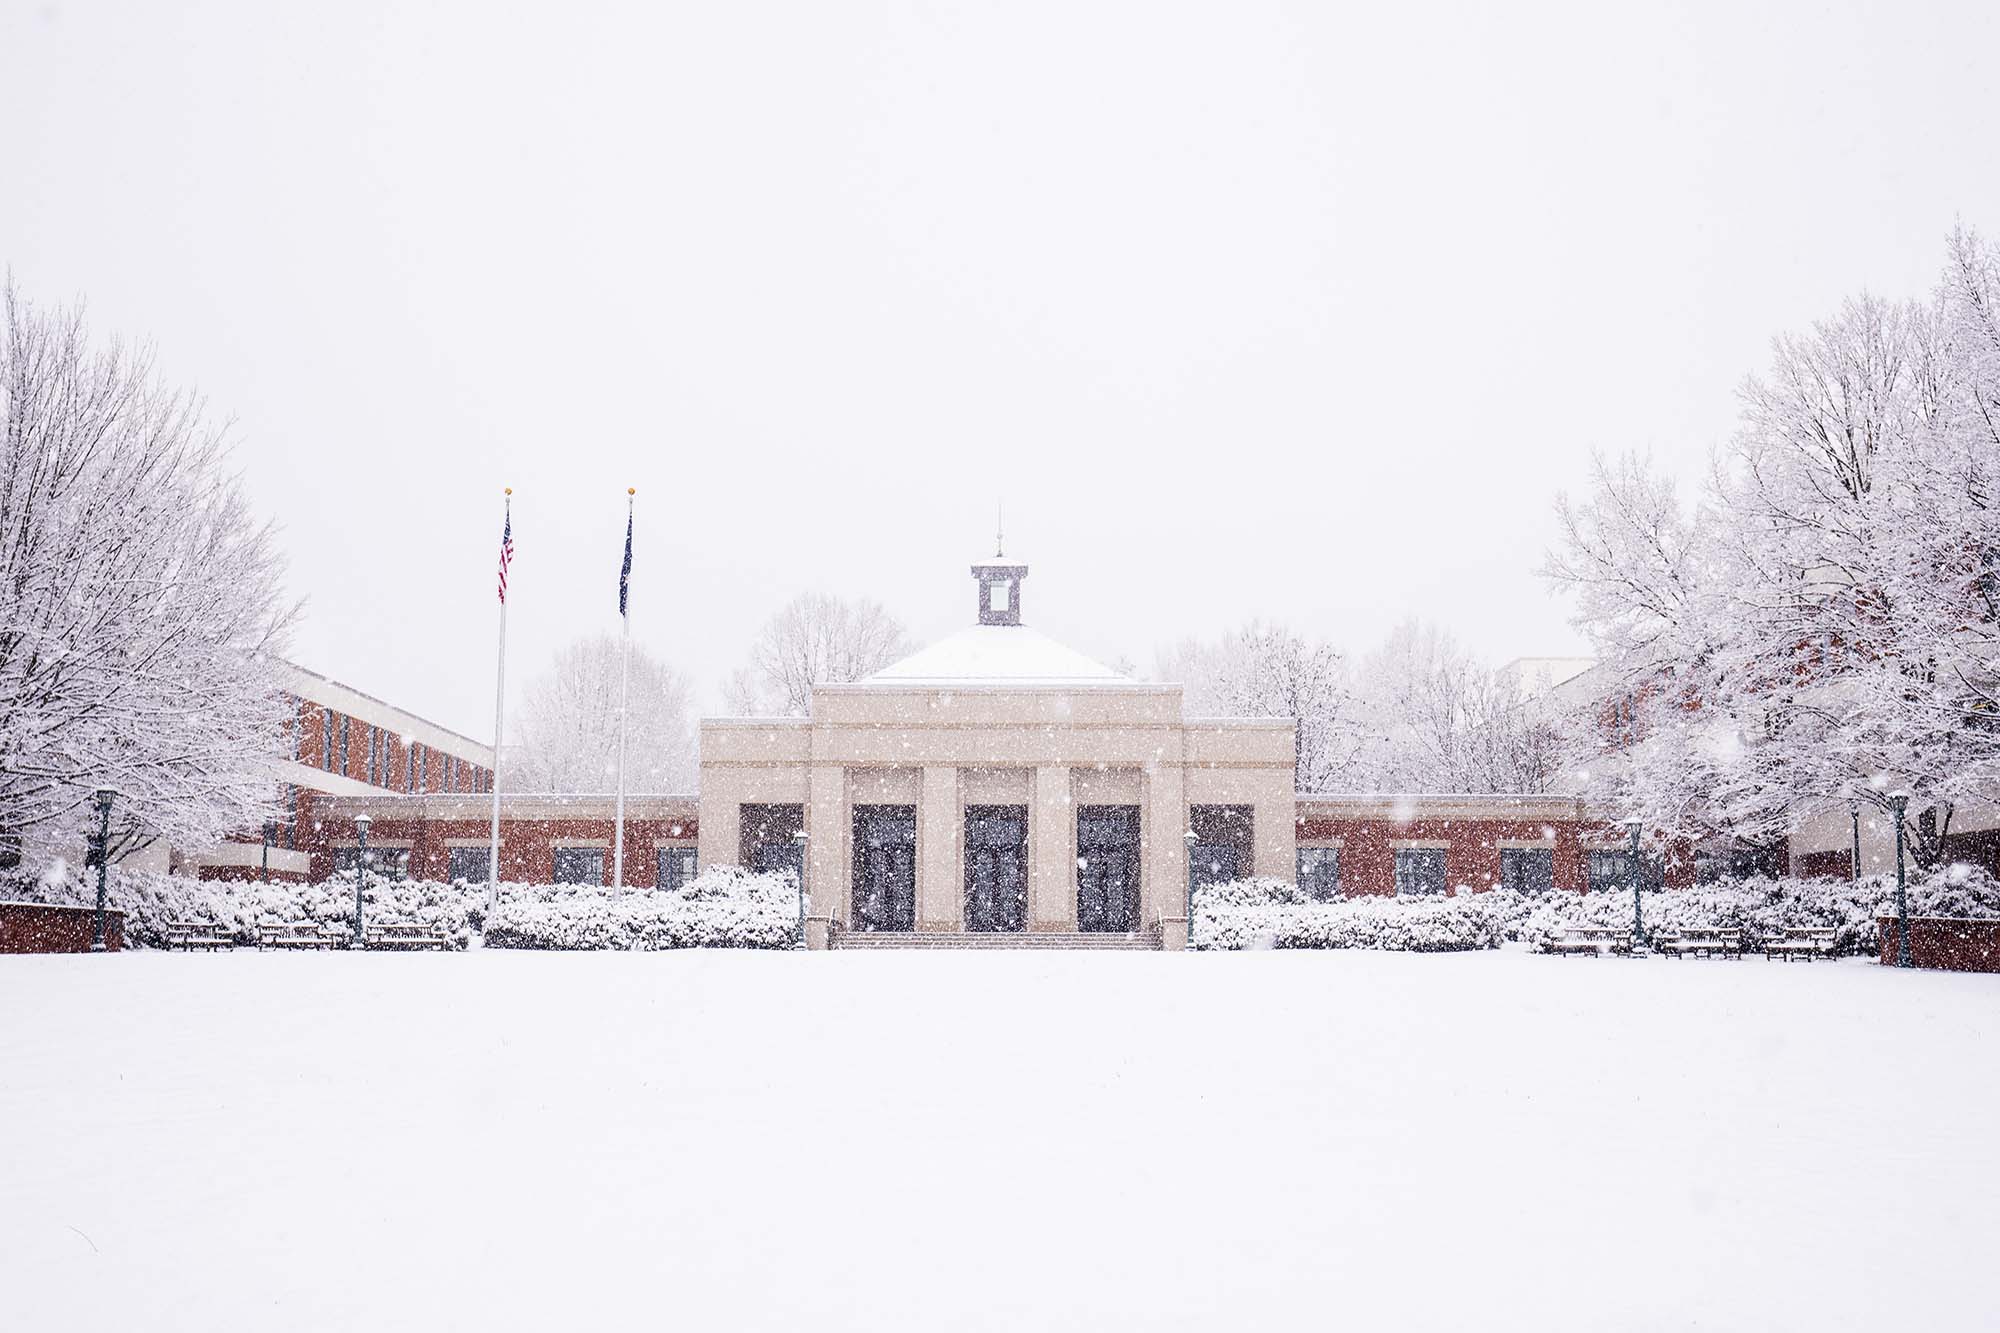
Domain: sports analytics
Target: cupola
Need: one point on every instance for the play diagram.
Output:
(999, 587)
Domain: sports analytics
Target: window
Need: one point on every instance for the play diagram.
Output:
(579, 865)
(1420, 870)
(677, 867)
(385, 862)
(1319, 873)
(1611, 871)
(469, 864)
(1223, 843)
(1527, 869)
(326, 740)
(343, 745)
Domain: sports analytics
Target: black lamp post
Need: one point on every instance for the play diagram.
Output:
(1638, 920)
(1854, 812)
(799, 841)
(1192, 839)
(1899, 801)
(361, 823)
(270, 836)
(103, 839)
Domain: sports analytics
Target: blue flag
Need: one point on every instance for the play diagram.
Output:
(625, 573)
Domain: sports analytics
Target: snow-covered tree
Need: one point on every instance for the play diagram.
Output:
(1265, 670)
(140, 602)
(1435, 718)
(1821, 627)
(567, 728)
(815, 639)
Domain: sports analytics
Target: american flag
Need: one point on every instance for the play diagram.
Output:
(506, 551)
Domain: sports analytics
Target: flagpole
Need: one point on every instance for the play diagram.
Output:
(624, 701)
(499, 718)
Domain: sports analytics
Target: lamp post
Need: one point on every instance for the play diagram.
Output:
(361, 823)
(103, 839)
(799, 841)
(1854, 813)
(1899, 801)
(1638, 921)
(1192, 839)
(270, 836)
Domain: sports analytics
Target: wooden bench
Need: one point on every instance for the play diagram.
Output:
(1590, 941)
(1806, 942)
(192, 935)
(297, 935)
(1714, 941)
(402, 935)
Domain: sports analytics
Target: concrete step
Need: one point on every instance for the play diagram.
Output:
(935, 939)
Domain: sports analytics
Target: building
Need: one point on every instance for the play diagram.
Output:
(998, 781)
(345, 745)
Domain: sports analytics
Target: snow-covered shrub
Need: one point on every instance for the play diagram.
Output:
(152, 901)
(724, 907)
(1271, 913)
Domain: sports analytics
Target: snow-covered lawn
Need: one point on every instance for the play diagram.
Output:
(937, 1141)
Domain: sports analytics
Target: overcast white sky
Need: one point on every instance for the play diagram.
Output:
(1300, 311)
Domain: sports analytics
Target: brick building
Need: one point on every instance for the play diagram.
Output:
(995, 781)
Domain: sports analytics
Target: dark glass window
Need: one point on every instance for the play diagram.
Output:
(326, 740)
(1527, 869)
(579, 865)
(677, 866)
(387, 862)
(1319, 873)
(1611, 871)
(1420, 870)
(469, 863)
(343, 745)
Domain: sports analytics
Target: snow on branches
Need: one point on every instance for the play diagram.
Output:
(1819, 625)
(140, 605)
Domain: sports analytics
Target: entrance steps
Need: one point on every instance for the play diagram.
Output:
(997, 939)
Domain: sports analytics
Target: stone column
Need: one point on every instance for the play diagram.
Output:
(827, 832)
(1051, 852)
(1163, 891)
(940, 878)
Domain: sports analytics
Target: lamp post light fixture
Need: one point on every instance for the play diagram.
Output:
(1899, 801)
(1854, 813)
(361, 823)
(799, 841)
(105, 795)
(1193, 840)
(1638, 920)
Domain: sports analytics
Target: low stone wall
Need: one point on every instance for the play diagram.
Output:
(40, 928)
(1942, 942)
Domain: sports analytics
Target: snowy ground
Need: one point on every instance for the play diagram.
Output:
(933, 1141)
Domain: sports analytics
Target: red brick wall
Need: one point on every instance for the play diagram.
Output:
(1368, 849)
(1954, 946)
(1824, 865)
(527, 846)
(37, 928)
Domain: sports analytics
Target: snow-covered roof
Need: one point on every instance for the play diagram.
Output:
(996, 655)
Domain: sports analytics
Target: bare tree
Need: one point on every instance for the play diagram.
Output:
(567, 728)
(140, 602)
(1268, 671)
(816, 639)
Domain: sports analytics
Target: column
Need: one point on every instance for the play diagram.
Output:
(940, 830)
(1051, 852)
(827, 832)
(1163, 891)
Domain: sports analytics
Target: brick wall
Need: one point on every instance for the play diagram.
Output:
(527, 846)
(1953, 946)
(1368, 849)
(38, 928)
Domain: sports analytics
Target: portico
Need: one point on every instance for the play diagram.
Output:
(998, 781)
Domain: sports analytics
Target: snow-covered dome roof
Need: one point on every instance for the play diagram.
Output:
(996, 655)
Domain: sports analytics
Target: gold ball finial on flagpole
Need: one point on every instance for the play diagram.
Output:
(508, 489)
(631, 490)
